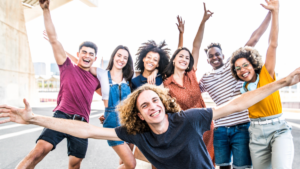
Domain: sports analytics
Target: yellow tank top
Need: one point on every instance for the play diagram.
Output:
(270, 105)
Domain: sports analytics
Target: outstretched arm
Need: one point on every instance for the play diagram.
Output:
(259, 31)
(250, 98)
(72, 127)
(273, 6)
(180, 27)
(58, 50)
(199, 36)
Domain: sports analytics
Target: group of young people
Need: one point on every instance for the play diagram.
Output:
(167, 119)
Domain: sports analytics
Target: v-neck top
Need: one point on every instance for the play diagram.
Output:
(189, 95)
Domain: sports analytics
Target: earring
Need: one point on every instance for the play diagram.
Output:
(188, 67)
(173, 63)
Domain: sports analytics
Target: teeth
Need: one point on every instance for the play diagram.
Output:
(150, 65)
(245, 74)
(183, 64)
(86, 60)
(154, 114)
(216, 61)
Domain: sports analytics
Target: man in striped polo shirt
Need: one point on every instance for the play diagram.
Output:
(231, 136)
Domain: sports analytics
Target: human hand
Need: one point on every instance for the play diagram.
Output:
(272, 5)
(102, 118)
(17, 115)
(180, 24)
(293, 78)
(207, 13)
(44, 4)
(152, 77)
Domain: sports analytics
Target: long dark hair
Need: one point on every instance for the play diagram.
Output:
(128, 69)
(170, 68)
(151, 46)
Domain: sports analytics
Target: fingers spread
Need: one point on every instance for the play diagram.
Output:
(4, 115)
(5, 121)
(204, 7)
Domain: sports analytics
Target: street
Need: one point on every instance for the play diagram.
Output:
(18, 140)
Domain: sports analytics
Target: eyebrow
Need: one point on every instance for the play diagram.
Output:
(155, 97)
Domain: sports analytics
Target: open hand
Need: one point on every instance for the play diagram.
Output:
(207, 13)
(44, 4)
(152, 77)
(272, 5)
(180, 24)
(17, 115)
(293, 78)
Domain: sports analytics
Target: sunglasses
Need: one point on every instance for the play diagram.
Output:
(244, 65)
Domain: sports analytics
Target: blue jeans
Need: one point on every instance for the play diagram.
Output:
(117, 93)
(233, 140)
(76, 146)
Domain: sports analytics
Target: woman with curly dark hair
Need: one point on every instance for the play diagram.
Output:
(152, 120)
(180, 78)
(152, 60)
(271, 142)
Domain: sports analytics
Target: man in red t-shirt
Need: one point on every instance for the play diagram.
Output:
(77, 86)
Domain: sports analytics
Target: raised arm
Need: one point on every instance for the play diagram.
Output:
(273, 6)
(72, 127)
(199, 36)
(250, 98)
(58, 50)
(259, 31)
(180, 27)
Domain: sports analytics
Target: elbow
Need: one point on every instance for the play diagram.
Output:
(273, 45)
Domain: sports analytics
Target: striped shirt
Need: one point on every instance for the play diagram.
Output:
(222, 87)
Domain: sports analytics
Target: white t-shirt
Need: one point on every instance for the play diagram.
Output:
(103, 78)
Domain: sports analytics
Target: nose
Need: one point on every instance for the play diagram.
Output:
(152, 105)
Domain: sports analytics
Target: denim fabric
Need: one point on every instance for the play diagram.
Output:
(116, 94)
(232, 141)
(271, 145)
(76, 146)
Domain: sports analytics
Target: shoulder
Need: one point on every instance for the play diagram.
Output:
(136, 79)
(168, 81)
(265, 76)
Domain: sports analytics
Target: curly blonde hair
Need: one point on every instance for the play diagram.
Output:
(251, 55)
(129, 111)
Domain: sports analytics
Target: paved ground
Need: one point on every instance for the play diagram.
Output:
(17, 140)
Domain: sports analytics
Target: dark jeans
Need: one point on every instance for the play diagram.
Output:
(234, 141)
(76, 146)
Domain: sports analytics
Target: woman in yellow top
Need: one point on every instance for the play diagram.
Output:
(271, 141)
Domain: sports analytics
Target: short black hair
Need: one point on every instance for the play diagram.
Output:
(218, 45)
(90, 45)
(151, 46)
(170, 68)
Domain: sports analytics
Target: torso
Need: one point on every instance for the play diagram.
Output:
(77, 87)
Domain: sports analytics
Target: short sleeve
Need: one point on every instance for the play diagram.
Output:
(200, 118)
(123, 134)
(100, 73)
(65, 65)
(202, 85)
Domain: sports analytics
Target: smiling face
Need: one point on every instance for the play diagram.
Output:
(151, 61)
(182, 60)
(120, 59)
(86, 57)
(245, 70)
(151, 108)
(215, 57)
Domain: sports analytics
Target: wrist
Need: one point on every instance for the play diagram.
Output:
(33, 119)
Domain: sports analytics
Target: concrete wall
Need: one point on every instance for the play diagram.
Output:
(16, 69)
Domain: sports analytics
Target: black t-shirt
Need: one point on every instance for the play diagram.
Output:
(140, 80)
(181, 146)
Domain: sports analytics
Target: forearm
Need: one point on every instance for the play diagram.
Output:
(73, 58)
(50, 29)
(199, 36)
(247, 99)
(256, 35)
(74, 128)
(273, 40)
(180, 43)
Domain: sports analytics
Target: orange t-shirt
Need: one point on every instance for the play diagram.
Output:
(270, 105)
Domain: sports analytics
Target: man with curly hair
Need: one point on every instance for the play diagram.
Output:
(152, 120)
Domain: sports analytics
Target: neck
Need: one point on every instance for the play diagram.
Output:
(253, 79)
(215, 68)
(147, 73)
(84, 68)
(179, 73)
(116, 72)
(161, 127)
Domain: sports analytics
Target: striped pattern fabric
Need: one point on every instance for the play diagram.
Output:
(222, 87)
